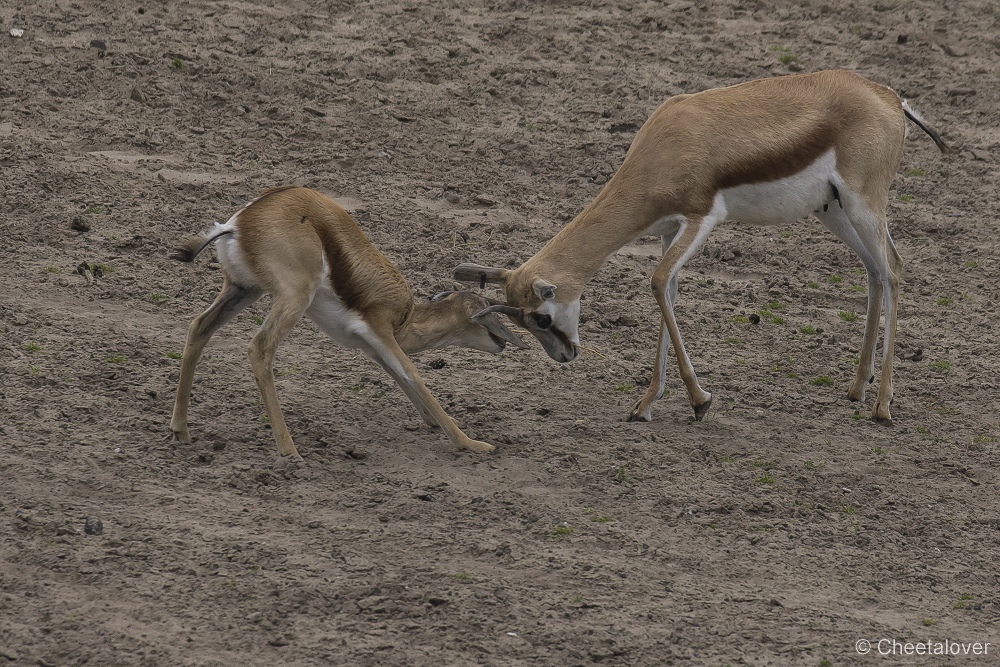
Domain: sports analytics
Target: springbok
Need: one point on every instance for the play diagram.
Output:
(762, 152)
(312, 258)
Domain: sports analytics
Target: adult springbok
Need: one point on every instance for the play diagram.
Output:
(312, 258)
(762, 152)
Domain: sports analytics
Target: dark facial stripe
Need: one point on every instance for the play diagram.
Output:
(562, 337)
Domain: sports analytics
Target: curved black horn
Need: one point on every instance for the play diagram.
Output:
(509, 311)
(475, 273)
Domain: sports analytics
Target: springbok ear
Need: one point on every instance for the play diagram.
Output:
(475, 273)
(489, 321)
(545, 290)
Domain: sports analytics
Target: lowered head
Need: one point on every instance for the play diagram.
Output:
(550, 313)
(463, 319)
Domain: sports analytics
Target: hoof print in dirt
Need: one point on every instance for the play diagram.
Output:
(93, 526)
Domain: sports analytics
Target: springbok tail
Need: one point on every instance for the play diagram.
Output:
(922, 124)
(192, 247)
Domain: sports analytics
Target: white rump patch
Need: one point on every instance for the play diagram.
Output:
(230, 255)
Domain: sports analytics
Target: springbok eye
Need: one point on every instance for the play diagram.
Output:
(543, 321)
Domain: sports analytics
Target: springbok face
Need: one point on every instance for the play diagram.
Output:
(536, 304)
(474, 326)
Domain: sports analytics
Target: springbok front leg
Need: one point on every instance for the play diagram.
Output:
(642, 411)
(383, 349)
(692, 234)
(231, 300)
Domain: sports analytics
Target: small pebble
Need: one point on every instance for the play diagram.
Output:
(93, 526)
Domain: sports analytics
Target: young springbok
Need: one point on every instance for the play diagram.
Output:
(762, 152)
(311, 257)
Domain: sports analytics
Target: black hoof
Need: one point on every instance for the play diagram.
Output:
(700, 410)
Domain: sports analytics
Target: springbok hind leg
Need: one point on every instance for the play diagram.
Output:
(865, 231)
(286, 311)
(231, 300)
(890, 289)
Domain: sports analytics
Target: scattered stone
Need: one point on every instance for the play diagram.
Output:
(485, 200)
(278, 641)
(315, 112)
(754, 318)
(90, 270)
(355, 453)
(16, 32)
(99, 44)
(901, 39)
(80, 224)
(314, 524)
(437, 602)
(66, 530)
(93, 526)
(438, 364)
(542, 412)
(9, 653)
(20, 319)
(138, 96)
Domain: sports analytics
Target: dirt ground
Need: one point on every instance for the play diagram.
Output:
(779, 531)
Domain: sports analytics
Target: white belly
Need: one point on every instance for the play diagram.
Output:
(784, 200)
(336, 320)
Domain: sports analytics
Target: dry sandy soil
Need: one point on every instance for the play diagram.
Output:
(779, 531)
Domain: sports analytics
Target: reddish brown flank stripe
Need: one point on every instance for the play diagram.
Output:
(342, 273)
(779, 164)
